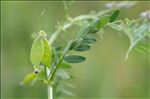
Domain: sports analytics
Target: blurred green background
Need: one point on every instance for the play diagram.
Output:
(104, 75)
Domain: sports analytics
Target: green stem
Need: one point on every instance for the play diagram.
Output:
(60, 60)
(55, 35)
(50, 92)
(55, 69)
(49, 87)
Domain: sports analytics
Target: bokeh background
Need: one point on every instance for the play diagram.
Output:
(104, 75)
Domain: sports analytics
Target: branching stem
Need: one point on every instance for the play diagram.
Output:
(72, 21)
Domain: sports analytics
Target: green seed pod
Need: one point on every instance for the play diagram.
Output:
(40, 52)
(46, 60)
(37, 51)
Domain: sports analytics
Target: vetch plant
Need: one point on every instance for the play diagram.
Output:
(49, 62)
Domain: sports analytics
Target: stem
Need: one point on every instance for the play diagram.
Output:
(49, 87)
(65, 26)
(55, 69)
(71, 22)
(60, 60)
(50, 92)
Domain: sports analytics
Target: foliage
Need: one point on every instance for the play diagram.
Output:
(136, 30)
(50, 62)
